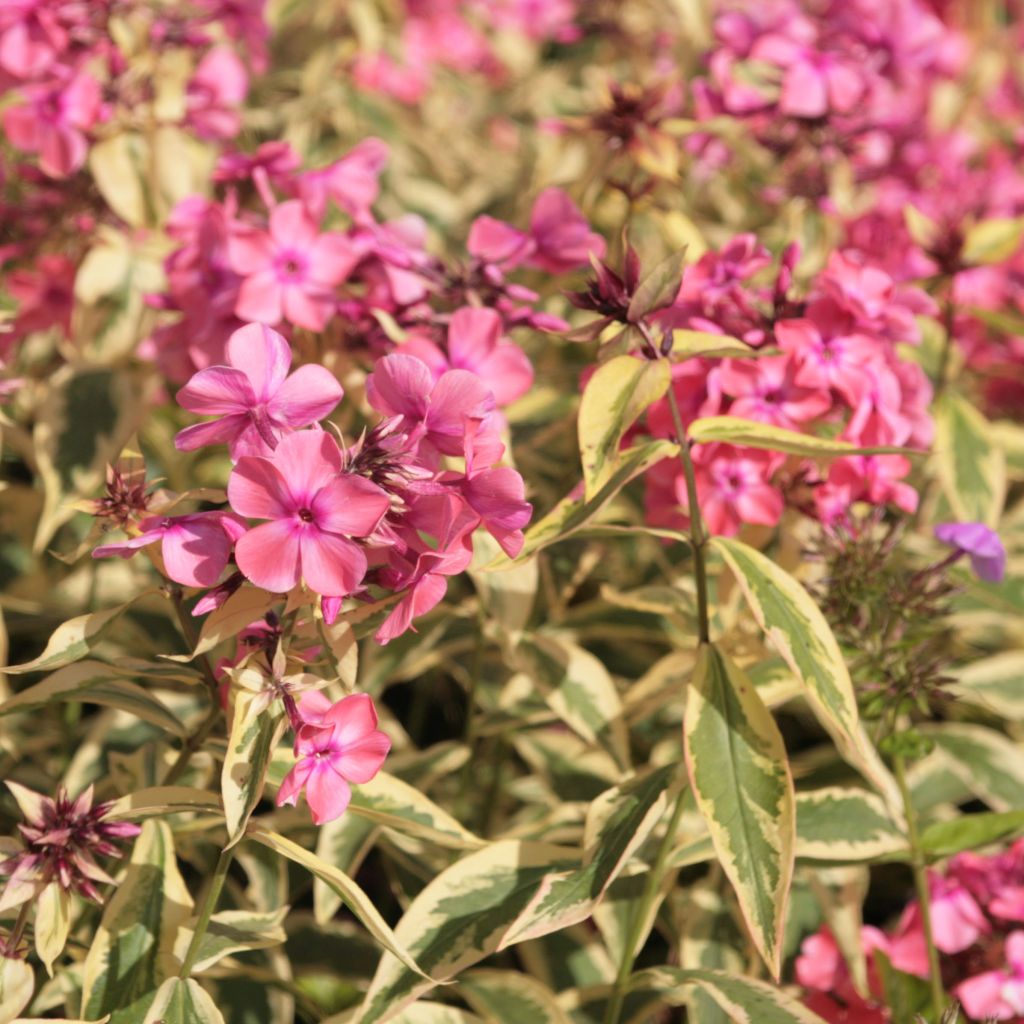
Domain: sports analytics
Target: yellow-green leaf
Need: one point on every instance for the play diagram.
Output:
(118, 166)
(71, 641)
(687, 344)
(799, 632)
(993, 240)
(183, 1001)
(511, 997)
(244, 607)
(232, 931)
(743, 787)
(971, 465)
(52, 924)
(17, 982)
(987, 762)
(255, 732)
(460, 918)
(133, 951)
(158, 801)
(613, 400)
(752, 434)
(841, 824)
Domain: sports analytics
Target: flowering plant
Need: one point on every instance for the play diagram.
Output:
(512, 510)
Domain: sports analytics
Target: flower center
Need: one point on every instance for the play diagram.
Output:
(305, 515)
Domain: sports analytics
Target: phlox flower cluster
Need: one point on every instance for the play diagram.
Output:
(393, 512)
(831, 366)
(977, 913)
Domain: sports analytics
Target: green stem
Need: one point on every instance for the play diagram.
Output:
(641, 911)
(948, 322)
(14, 939)
(924, 899)
(698, 537)
(220, 874)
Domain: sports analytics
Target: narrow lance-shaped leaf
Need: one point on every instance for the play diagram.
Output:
(989, 764)
(17, 982)
(52, 924)
(742, 783)
(839, 824)
(752, 434)
(132, 953)
(660, 287)
(799, 632)
(232, 931)
(613, 400)
(510, 997)
(254, 737)
(183, 1001)
(993, 240)
(971, 465)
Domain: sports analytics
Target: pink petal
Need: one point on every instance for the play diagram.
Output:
(981, 996)
(220, 431)
(498, 496)
(804, 92)
(291, 225)
(361, 760)
(305, 308)
(257, 490)
(508, 372)
(350, 505)
(473, 335)
(293, 782)
(217, 391)
(195, 553)
(425, 594)
(308, 460)
(399, 386)
(263, 356)
(313, 706)
(353, 718)
(327, 794)
(260, 298)
(459, 395)
(332, 258)
(250, 250)
(497, 242)
(308, 395)
(127, 548)
(268, 556)
(331, 564)
(62, 150)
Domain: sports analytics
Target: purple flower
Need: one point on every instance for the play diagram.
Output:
(982, 545)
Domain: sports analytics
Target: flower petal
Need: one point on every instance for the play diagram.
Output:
(308, 460)
(218, 391)
(331, 564)
(360, 761)
(260, 298)
(353, 717)
(268, 556)
(195, 552)
(256, 489)
(327, 794)
(308, 395)
(351, 505)
(263, 356)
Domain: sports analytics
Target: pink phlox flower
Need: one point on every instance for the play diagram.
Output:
(352, 181)
(378, 72)
(255, 399)
(562, 239)
(443, 414)
(45, 296)
(498, 497)
(876, 479)
(766, 390)
(291, 270)
(53, 121)
(313, 508)
(214, 94)
(277, 159)
(476, 343)
(31, 37)
(339, 744)
(997, 995)
(194, 548)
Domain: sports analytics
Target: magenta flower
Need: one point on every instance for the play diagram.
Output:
(982, 545)
(291, 271)
(338, 745)
(215, 93)
(313, 510)
(997, 995)
(62, 838)
(253, 396)
(53, 122)
(194, 548)
(475, 343)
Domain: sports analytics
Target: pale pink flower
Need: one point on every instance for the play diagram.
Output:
(254, 398)
(215, 93)
(353, 181)
(291, 270)
(561, 235)
(194, 548)
(313, 510)
(338, 745)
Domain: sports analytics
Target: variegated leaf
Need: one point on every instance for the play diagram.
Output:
(158, 801)
(133, 951)
(17, 982)
(710, 939)
(752, 434)
(744, 1000)
(52, 924)
(71, 641)
(614, 398)
(183, 1001)
(743, 787)
(578, 688)
(971, 464)
(990, 765)
(837, 824)
(799, 632)
(255, 732)
(460, 918)
(995, 683)
(622, 819)
(343, 843)
(232, 931)
(511, 997)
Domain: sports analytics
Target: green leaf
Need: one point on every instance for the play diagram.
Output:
(52, 924)
(17, 982)
(578, 688)
(613, 400)
(255, 731)
(71, 641)
(132, 953)
(244, 607)
(923, 230)
(971, 466)
(572, 514)
(510, 997)
(158, 801)
(995, 683)
(93, 682)
(744, 1000)
(687, 344)
(970, 832)
(183, 1001)
(799, 632)
(355, 899)
(342, 843)
(620, 821)
(232, 931)
(710, 939)
(460, 918)
(990, 765)
(659, 288)
(993, 240)
(118, 167)
(752, 434)
(743, 787)
(386, 800)
(906, 995)
(837, 824)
